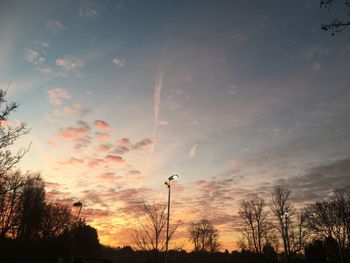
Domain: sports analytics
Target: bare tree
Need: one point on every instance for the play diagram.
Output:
(290, 224)
(204, 236)
(331, 219)
(8, 135)
(151, 235)
(11, 191)
(255, 223)
(283, 212)
(335, 26)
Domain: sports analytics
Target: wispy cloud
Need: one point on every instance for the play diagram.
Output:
(34, 57)
(57, 95)
(193, 151)
(69, 63)
(55, 26)
(88, 10)
(156, 97)
(119, 62)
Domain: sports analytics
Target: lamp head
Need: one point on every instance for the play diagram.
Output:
(77, 204)
(173, 177)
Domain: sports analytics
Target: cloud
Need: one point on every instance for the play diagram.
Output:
(102, 125)
(318, 181)
(142, 143)
(102, 136)
(124, 141)
(103, 148)
(69, 63)
(120, 149)
(55, 26)
(134, 172)
(57, 95)
(34, 57)
(193, 151)
(119, 62)
(82, 142)
(88, 10)
(93, 162)
(82, 128)
(115, 159)
(156, 97)
(72, 161)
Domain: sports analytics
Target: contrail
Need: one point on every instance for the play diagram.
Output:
(157, 92)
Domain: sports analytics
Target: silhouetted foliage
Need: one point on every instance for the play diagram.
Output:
(335, 26)
(204, 236)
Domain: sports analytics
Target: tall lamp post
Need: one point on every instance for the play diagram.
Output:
(285, 214)
(168, 184)
(78, 204)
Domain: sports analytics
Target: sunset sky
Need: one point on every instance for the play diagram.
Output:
(233, 96)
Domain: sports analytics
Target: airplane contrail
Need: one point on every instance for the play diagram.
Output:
(156, 96)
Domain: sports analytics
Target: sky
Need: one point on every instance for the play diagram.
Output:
(233, 96)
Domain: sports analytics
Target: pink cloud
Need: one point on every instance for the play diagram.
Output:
(69, 63)
(103, 148)
(73, 132)
(93, 162)
(5, 123)
(57, 95)
(72, 161)
(124, 141)
(102, 125)
(115, 159)
(100, 135)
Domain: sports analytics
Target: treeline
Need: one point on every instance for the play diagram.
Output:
(319, 232)
(32, 230)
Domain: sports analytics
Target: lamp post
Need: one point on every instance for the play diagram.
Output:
(78, 204)
(173, 177)
(285, 214)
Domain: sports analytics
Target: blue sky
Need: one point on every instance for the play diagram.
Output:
(233, 96)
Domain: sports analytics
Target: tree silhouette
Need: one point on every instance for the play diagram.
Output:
(255, 223)
(8, 135)
(204, 236)
(335, 26)
(151, 235)
(57, 218)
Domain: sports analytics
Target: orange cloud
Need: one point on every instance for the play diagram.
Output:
(114, 159)
(124, 141)
(102, 125)
(72, 132)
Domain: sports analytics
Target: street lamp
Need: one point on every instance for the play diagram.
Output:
(173, 177)
(78, 204)
(285, 214)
